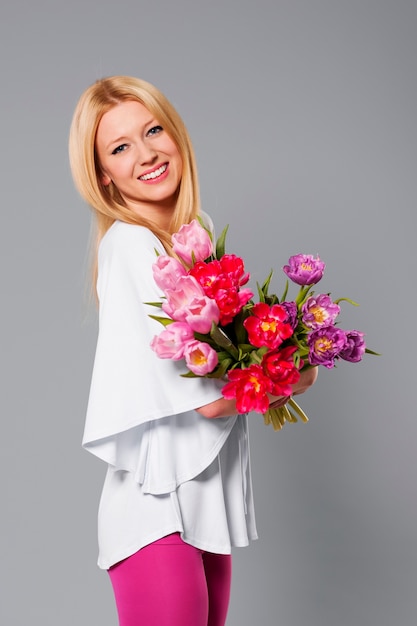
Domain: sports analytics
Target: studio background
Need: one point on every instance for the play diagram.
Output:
(302, 114)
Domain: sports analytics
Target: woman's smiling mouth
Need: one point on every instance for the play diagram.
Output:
(154, 175)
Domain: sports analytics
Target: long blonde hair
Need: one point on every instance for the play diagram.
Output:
(106, 202)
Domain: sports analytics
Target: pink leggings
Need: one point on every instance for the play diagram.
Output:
(170, 583)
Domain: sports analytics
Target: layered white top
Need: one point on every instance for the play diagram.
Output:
(170, 469)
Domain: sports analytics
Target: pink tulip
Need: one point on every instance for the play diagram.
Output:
(170, 343)
(167, 271)
(201, 313)
(192, 243)
(187, 289)
(200, 358)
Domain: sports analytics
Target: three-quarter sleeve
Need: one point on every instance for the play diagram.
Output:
(141, 413)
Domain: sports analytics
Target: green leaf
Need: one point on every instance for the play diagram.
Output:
(346, 300)
(221, 243)
(165, 321)
(223, 355)
(222, 340)
(368, 351)
(255, 356)
(260, 293)
(190, 375)
(297, 359)
(302, 350)
(272, 299)
(221, 369)
(266, 283)
(245, 348)
(240, 330)
(303, 294)
(284, 295)
(205, 338)
(157, 304)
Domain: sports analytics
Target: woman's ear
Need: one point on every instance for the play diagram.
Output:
(106, 180)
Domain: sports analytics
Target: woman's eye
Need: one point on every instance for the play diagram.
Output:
(119, 149)
(154, 130)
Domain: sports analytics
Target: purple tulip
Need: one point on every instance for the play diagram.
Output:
(304, 269)
(292, 311)
(318, 311)
(326, 345)
(192, 243)
(200, 358)
(355, 346)
(166, 271)
(170, 343)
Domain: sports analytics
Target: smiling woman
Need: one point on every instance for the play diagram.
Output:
(177, 494)
(102, 194)
(138, 157)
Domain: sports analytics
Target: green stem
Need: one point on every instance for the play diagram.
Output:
(298, 410)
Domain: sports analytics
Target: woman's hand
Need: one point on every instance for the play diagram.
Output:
(307, 378)
(224, 408)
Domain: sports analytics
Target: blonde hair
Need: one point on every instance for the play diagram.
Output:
(106, 201)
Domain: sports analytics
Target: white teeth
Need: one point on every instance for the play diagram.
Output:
(154, 174)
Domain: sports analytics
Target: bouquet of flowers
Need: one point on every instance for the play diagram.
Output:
(259, 348)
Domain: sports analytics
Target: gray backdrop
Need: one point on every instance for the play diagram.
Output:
(303, 115)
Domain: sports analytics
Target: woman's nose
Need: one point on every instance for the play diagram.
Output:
(146, 153)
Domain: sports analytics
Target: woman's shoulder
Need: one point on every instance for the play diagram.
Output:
(125, 239)
(124, 233)
(126, 256)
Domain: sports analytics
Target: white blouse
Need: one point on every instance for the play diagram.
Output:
(169, 468)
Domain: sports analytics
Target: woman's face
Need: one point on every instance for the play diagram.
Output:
(140, 158)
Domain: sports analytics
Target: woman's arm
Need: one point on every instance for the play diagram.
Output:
(225, 408)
